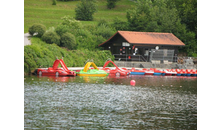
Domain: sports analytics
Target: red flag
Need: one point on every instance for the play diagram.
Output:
(133, 47)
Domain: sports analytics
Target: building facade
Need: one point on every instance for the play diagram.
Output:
(143, 46)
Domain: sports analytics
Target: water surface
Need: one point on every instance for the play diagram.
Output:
(156, 102)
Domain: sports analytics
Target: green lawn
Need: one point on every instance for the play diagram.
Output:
(42, 11)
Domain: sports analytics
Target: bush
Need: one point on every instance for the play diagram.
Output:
(37, 28)
(85, 10)
(61, 29)
(51, 37)
(103, 22)
(68, 40)
(29, 59)
(54, 2)
(111, 3)
(71, 22)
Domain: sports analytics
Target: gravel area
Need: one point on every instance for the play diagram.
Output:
(26, 39)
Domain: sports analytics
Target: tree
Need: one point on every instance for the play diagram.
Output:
(187, 12)
(111, 3)
(85, 10)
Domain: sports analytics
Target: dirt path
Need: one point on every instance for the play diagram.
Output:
(26, 39)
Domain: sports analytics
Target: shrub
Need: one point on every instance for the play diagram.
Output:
(54, 2)
(71, 22)
(51, 37)
(103, 22)
(29, 62)
(61, 29)
(85, 10)
(37, 28)
(68, 40)
(111, 3)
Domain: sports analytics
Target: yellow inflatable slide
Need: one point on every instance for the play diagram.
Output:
(91, 72)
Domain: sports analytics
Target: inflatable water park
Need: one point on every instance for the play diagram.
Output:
(55, 70)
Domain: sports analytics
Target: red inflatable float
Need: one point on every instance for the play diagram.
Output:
(117, 71)
(55, 71)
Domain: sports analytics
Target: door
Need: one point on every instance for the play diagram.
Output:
(146, 54)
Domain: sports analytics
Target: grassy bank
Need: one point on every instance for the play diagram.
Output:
(42, 55)
(42, 11)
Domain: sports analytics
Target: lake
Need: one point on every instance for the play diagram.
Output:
(155, 102)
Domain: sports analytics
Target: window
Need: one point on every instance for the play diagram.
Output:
(146, 53)
(164, 52)
(125, 44)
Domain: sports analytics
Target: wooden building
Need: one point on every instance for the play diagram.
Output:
(143, 46)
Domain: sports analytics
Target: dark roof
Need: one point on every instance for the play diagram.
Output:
(148, 38)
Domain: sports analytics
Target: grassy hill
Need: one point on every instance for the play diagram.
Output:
(42, 11)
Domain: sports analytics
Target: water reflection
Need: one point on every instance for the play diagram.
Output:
(156, 102)
(55, 78)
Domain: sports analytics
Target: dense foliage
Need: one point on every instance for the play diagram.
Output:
(85, 10)
(177, 17)
(71, 34)
(40, 54)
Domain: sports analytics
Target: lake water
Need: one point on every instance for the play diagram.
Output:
(156, 102)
